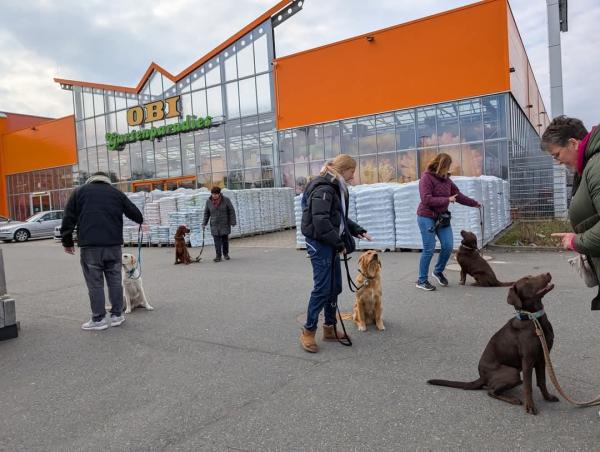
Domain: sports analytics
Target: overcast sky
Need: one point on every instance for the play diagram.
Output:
(114, 42)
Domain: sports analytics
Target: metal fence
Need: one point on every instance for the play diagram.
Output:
(538, 186)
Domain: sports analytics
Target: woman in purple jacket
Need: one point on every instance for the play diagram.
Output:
(437, 192)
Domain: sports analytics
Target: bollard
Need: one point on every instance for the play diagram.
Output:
(9, 328)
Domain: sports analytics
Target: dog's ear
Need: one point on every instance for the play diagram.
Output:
(133, 260)
(361, 260)
(513, 297)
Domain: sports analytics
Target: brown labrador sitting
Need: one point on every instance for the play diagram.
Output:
(181, 252)
(515, 348)
(471, 263)
(367, 305)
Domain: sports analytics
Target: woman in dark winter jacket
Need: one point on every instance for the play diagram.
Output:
(569, 143)
(221, 213)
(324, 223)
(437, 192)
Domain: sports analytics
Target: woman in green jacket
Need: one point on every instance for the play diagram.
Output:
(568, 141)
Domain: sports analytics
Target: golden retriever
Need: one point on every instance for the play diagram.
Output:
(133, 291)
(367, 305)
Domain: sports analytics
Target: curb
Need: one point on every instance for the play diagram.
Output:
(510, 248)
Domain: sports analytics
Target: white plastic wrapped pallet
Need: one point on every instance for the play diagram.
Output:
(375, 213)
(300, 239)
(406, 201)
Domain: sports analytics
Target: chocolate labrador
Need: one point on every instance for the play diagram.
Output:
(472, 264)
(515, 348)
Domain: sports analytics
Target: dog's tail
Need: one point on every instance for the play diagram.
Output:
(477, 384)
(505, 284)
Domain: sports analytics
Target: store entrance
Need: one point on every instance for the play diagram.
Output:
(172, 183)
(40, 202)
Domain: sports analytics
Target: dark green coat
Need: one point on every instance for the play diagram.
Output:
(585, 204)
(221, 217)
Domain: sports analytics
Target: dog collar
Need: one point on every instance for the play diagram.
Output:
(467, 247)
(366, 281)
(525, 315)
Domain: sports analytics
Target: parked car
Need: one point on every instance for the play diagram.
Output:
(58, 236)
(41, 224)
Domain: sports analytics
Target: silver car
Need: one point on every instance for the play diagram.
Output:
(39, 225)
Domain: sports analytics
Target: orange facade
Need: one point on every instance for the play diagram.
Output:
(29, 143)
(453, 55)
(522, 81)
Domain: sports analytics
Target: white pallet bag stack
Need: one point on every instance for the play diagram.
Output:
(139, 200)
(375, 213)
(127, 234)
(177, 219)
(489, 205)
(465, 217)
(352, 212)
(232, 195)
(200, 199)
(152, 213)
(286, 195)
(163, 232)
(196, 216)
(255, 211)
(266, 209)
(168, 205)
(406, 200)
(300, 239)
(506, 196)
(245, 212)
(154, 238)
(495, 206)
(155, 195)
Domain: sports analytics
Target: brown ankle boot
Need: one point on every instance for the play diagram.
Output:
(307, 341)
(329, 333)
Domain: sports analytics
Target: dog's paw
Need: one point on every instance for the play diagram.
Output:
(551, 398)
(461, 283)
(149, 308)
(530, 408)
(380, 327)
(127, 311)
(362, 327)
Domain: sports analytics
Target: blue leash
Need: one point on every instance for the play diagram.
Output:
(131, 274)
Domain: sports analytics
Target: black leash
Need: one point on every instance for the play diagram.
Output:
(351, 284)
(201, 248)
(348, 342)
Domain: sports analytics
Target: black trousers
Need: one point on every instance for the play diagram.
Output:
(221, 244)
(97, 264)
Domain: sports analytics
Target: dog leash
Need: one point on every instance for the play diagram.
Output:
(351, 284)
(201, 247)
(138, 265)
(553, 378)
(348, 342)
(482, 225)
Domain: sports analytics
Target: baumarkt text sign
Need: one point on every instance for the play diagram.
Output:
(154, 111)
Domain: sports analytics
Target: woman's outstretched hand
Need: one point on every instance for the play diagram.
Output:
(366, 236)
(567, 238)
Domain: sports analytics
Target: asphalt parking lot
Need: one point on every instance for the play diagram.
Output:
(217, 365)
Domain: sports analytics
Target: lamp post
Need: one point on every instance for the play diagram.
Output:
(557, 22)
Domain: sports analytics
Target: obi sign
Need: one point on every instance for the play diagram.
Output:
(156, 111)
(153, 111)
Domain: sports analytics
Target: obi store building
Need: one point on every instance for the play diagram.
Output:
(240, 117)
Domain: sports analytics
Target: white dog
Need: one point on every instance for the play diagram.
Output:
(133, 291)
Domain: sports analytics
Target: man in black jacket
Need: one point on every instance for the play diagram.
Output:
(97, 210)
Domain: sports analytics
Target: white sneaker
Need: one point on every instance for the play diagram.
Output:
(90, 325)
(116, 320)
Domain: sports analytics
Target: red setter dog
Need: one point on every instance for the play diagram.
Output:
(181, 252)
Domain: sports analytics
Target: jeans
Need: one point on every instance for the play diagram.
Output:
(321, 298)
(98, 263)
(221, 244)
(444, 234)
